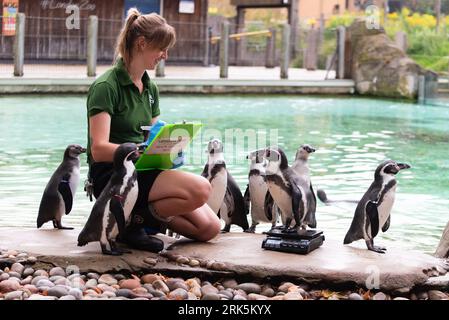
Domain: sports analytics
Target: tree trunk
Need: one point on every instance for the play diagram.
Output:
(443, 247)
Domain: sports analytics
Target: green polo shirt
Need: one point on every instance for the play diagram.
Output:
(115, 93)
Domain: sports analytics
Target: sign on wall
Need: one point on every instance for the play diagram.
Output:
(187, 6)
(9, 12)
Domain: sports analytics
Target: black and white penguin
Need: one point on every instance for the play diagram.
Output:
(60, 190)
(110, 213)
(215, 172)
(257, 191)
(285, 186)
(301, 167)
(373, 211)
(225, 198)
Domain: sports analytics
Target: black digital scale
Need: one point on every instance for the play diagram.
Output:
(301, 241)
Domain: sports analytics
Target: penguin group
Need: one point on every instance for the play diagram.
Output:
(275, 190)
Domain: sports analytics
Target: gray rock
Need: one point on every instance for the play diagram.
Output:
(249, 287)
(91, 283)
(239, 297)
(437, 295)
(400, 298)
(156, 293)
(32, 260)
(208, 289)
(27, 280)
(13, 274)
(441, 282)
(230, 283)
(67, 297)
(72, 269)
(40, 272)
(37, 279)
(15, 295)
(355, 296)
(124, 293)
(44, 283)
(93, 275)
(226, 294)
(40, 297)
(108, 279)
(422, 295)
(255, 296)
(380, 296)
(57, 271)
(27, 272)
(17, 267)
(175, 283)
(119, 277)
(268, 292)
(4, 276)
(211, 296)
(402, 292)
(58, 291)
(284, 287)
(178, 294)
(62, 281)
(55, 278)
(77, 293)
(160, 285)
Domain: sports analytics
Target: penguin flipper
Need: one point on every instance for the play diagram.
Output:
(268, 206)
(116, 208)
(386, 225)
(66, 193)
(247, 199)
(238, 214)
(296, 200)
(311, 218)
(373, 216)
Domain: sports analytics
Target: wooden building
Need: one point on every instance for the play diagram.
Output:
(53, 35)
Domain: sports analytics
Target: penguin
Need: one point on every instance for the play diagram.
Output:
(215, 172)
(257, 191)
(301, 167)
(373, 210)
(226, 199)
(286, 189)
(60, 190)
(110, 213)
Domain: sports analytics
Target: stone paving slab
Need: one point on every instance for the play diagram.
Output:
(235, 254)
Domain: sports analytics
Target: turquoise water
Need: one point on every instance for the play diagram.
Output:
(352, 136)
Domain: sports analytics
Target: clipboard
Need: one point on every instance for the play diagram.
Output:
(165, 150)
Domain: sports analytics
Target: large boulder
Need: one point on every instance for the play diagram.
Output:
(379, 67)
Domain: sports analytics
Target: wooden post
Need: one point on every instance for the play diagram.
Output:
(19, 45)
(401, 40)
(311, 54)
(206, 61)
(285, 51)
(341, 34)
(92, 46)
(270, 54)
(224, 49)
(438, 14)
(160, 69)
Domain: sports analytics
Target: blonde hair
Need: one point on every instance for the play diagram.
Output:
(158, 33)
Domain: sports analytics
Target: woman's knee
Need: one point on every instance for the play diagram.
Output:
(199, 191)
(209, 230)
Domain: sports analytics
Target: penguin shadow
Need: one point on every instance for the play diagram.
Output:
(180, 242)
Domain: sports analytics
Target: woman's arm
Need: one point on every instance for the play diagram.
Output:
(153, 121)
(100, 126)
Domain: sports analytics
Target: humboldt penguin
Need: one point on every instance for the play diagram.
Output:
(373, 211)
(286, 189)
(301, 167)
(226, 199)
(60, 190)
(257, 191)
(110, 213)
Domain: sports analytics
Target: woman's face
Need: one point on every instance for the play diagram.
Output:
(152, 56)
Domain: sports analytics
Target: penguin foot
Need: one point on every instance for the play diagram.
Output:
(376, 249)
(112, 252)
(250, 230)
(372, 247)
(226, 229)
(65, 228)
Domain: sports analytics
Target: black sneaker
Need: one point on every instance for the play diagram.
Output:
(137, 238)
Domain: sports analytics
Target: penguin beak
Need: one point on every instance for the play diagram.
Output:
(83, 150)
(311, 150)
(403, 166)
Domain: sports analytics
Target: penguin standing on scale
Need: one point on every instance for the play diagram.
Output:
(110, 213)
(257, 191)
(301, 167)
(225, 199)
(285, 187)
(373, 211)
(60, 190)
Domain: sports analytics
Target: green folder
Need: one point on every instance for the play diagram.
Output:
(165, 150)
